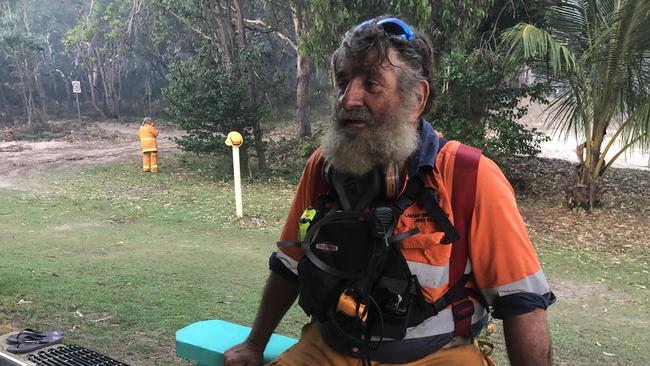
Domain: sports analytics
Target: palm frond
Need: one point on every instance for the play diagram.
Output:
(621, 52)
(639, 126)
(572, 112)
(529, 44)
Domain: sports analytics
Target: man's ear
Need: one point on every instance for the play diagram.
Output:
(423, 95)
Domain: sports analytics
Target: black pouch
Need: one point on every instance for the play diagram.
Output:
(337, 249)
(394, 294)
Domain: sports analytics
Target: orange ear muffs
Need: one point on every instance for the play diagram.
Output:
(392, 181)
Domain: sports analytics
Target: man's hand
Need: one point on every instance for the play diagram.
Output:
(277, 297)
(527, 339)
(243, 354)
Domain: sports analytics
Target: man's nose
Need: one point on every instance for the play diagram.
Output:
(352, 97)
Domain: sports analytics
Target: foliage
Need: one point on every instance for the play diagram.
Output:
(599, 50)
(481, 106)
(19, 51)
(208, 101)
(103, 41)
(450, 23)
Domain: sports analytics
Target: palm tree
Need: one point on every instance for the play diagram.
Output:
(600, 50)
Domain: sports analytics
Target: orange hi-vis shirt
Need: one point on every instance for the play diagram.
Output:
(502, 260)
(148, 134)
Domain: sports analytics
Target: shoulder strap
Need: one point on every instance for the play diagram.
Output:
(462, 202)
(428, 200)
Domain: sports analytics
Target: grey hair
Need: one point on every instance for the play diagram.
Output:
(147, 120)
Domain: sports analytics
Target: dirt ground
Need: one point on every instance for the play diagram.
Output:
(103, 142)
(94, 143)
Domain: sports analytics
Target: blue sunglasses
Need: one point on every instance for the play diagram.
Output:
(392, 26)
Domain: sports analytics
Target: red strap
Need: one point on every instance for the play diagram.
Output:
(462, 198)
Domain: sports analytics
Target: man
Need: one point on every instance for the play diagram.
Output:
(148, 134)
(382, 71)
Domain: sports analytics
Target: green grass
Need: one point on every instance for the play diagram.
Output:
(603, 311)
(120, 260)
(153, 253)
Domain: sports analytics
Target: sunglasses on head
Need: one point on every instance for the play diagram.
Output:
(392, 26)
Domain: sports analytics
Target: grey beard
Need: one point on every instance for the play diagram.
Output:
(391, 141)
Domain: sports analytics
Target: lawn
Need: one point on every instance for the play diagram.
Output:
(120, 260)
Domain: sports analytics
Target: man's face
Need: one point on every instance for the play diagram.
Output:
(374, 123)
(366, 96)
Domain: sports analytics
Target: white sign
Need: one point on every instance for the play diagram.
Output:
(76, 87)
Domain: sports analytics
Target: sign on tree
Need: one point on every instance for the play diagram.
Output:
(76, 87)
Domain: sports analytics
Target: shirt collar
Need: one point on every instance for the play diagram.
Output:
(425, 154)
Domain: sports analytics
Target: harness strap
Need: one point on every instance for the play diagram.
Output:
(404, 235)
(463, 197)
(428, 200)
(289, 244)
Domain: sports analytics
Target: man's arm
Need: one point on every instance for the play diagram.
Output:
(527, 339)
(278, 296)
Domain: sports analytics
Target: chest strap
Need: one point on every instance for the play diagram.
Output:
(427, 200)
(463, 196)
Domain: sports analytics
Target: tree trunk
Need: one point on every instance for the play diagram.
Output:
(257, 127)
(224, 33)
(303, 124)
(244, 158)
(108, 95)
(587, 191)
(26, 95)
(93, 98)
(5, 107)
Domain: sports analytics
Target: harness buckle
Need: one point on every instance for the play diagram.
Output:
(463, 310)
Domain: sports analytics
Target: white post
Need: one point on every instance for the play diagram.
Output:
(235, 165)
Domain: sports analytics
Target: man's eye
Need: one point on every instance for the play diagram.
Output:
(371, 84)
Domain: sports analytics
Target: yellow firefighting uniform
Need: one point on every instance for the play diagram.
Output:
(148, 134)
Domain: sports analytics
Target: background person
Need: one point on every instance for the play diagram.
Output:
(383, 72)
(149, 146)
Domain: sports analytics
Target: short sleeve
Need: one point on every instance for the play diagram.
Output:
(504, 262)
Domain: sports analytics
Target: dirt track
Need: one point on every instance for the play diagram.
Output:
(102, 142)
(96, 143)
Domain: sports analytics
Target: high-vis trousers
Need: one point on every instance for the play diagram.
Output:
(150, 161)
(311, 350)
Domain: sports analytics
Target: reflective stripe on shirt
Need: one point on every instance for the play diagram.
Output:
(288, 262)
(429, 275)
(442, 323)
(535, 283)
(433, 276)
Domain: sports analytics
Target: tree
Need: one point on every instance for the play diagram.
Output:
(449, 23)
(208, 101)
(220, 25)
(477, 105)
(20, 48)
(104, 41)
(303, 69)
(599, 51)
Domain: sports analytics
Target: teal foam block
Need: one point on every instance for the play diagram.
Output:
(204, 342)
